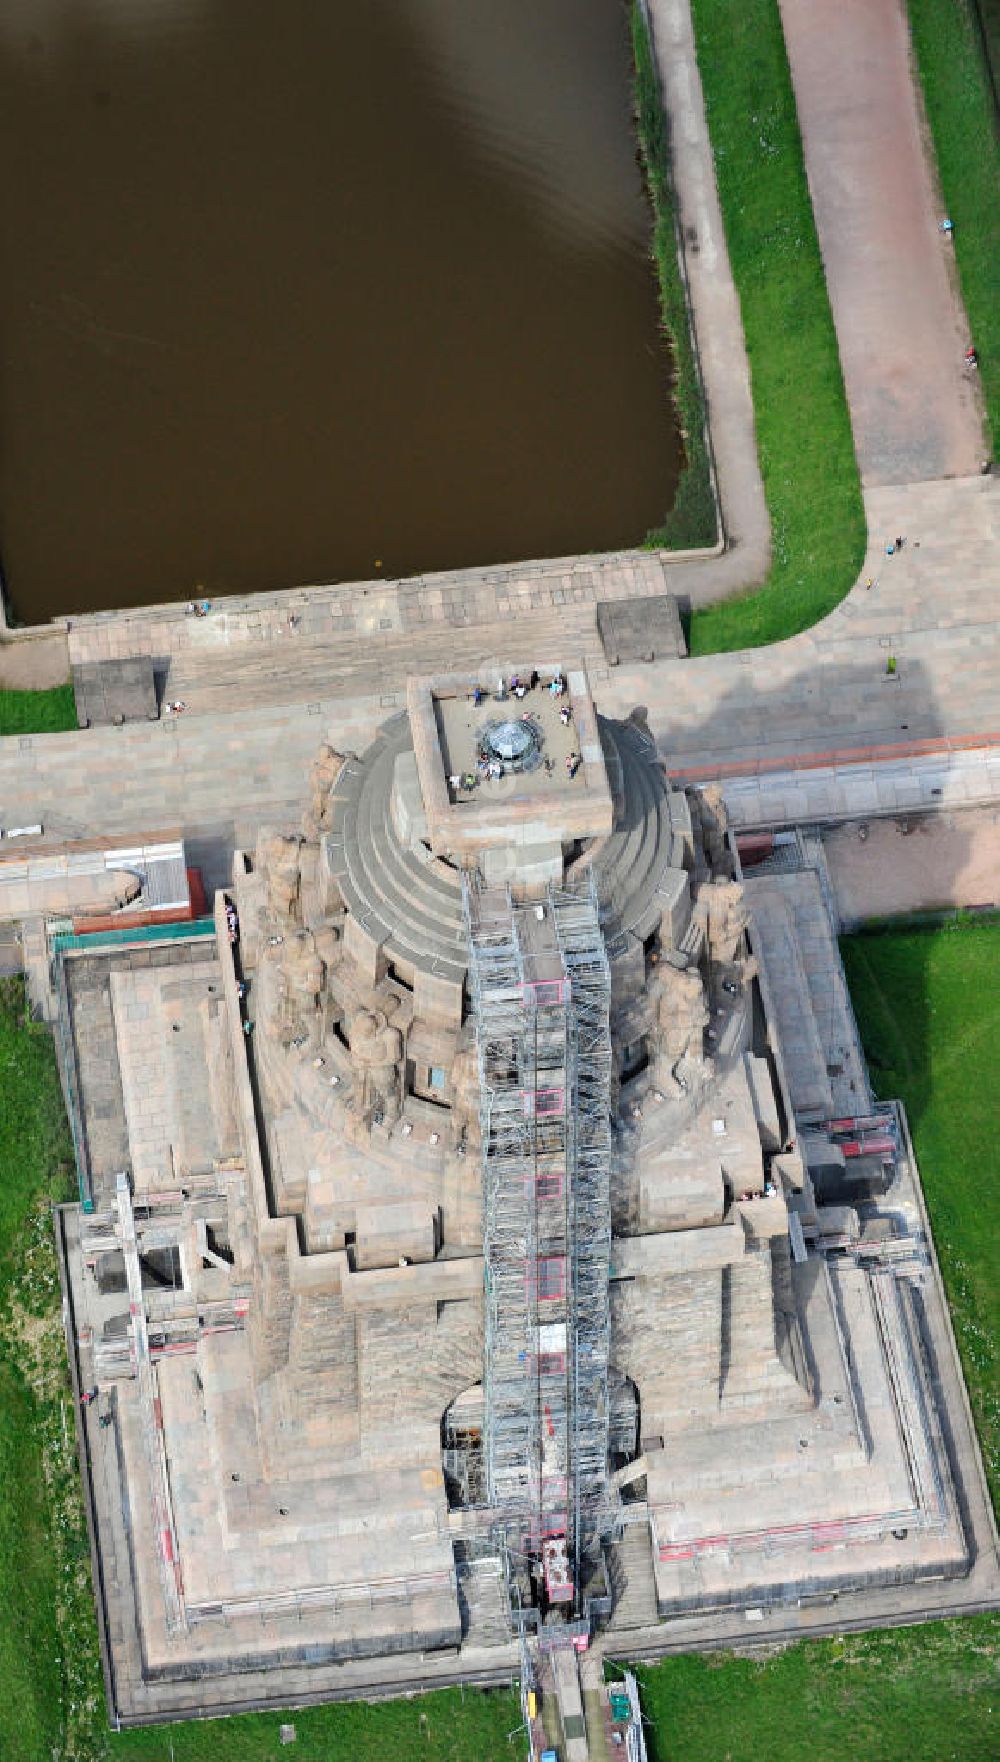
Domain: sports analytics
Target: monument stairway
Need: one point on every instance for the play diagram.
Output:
(635, 1606)
(630, 863)
(370, 664)
(416, 902)
(482, 1600)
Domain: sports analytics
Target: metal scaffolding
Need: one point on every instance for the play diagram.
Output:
(541, 993)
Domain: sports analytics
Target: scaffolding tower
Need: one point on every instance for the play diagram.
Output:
(541, 993)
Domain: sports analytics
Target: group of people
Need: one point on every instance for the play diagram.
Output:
(489, 767)
(232, 921)
(519, 688)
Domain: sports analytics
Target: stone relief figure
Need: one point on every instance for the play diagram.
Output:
(291, 980)
(711, 813)
(329, 945)
(682, 1015)
(278, 860)
(376, 1060)
(322, 777)
(277, 1010)
(304, 970)
(727, 919)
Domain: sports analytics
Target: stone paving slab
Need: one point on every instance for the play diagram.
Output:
(114, 691)
(640, 630)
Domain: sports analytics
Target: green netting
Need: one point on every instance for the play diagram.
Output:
(140, 934)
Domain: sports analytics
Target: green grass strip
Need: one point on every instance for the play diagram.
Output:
(925, 1694)
(39, 1548)
(804, 438)
(691, 522)
(928, 1007)
(38, 712)
(445, 1727)
(949, 53)
(30, 1673)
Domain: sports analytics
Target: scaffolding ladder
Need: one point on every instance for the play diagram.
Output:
(541, 993)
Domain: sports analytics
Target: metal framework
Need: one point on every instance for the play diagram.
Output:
(541, 993)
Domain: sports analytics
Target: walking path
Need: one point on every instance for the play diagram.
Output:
(239, 754)
(891, 275)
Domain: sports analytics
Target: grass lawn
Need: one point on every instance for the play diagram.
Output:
(35, 1166)
(928, 1006)
(30, 1665)
(804, 436)
(38, 712)
(960, 110)
(922, 1694)
(444, 1727)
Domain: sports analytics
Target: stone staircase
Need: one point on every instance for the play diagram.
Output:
(482, 1600)
(802, 1050)
(362, 665)
(638, 867)
(417, 900)
(632, 1569)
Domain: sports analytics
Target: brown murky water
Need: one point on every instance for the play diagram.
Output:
(293, 287)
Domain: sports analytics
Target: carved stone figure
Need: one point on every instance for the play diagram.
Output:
(376, 1056)
(303, 969)
(278, 859)
(682, 1015)
(727, 918)
(322, 776)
